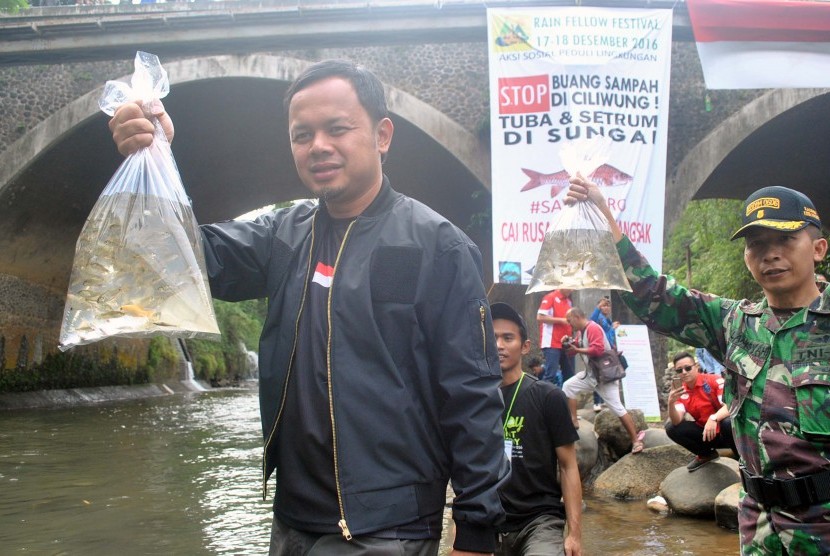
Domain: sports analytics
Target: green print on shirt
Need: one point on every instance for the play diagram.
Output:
(512, 429)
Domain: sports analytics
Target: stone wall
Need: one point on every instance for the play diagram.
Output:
(30, 94)
(453, 78)
(30, 311)
(30, 320)
(689, 119)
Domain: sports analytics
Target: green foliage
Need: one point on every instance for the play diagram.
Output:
(69, 370)
(480, 220)
(162, 359)
(240, 324)
(13, 6)
(717, 264)
(209, 362)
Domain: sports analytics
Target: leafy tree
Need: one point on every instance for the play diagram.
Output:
(700, 243)
(13, 6)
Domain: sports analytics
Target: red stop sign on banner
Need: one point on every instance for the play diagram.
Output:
(523, 95)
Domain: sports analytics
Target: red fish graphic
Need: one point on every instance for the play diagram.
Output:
(557, 181)
(608, 176)
(604, 176)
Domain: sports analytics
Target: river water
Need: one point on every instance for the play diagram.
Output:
(180, 475)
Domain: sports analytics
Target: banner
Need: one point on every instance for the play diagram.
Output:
(757, 44)
(576, 75)
(639, 384)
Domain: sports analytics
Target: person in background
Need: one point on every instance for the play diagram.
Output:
(535, 366)
(591, 342)
(559, 366)
(377, 321)
(602, 316)
(776, 354)
(541, 442)
(700, 396)
(708, 364)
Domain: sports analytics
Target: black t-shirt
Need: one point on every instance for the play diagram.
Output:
(304, 447)
(306, 494)
(538, 423)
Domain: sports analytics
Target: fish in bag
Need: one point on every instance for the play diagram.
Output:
(578, 251)
(139, 266)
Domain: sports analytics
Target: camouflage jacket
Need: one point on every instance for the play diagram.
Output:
(778, 379)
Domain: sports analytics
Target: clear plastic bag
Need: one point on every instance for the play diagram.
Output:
(139, 267)
(579, 251)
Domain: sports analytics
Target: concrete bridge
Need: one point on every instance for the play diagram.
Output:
(230, 62)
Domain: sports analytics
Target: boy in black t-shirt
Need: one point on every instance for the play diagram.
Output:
(538, 435)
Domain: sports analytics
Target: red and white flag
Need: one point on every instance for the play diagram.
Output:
(760, 44)
(323, 274)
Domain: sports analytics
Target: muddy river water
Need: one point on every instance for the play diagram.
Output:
(180, 475)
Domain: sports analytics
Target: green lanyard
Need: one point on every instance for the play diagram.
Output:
(510, 409)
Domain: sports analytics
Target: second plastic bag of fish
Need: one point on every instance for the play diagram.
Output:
(578, 251)
(139, 266)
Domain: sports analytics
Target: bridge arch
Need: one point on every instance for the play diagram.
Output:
(51, 177)
(756, 147)
(447, 133)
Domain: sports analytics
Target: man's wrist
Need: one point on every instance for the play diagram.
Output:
(714, 417)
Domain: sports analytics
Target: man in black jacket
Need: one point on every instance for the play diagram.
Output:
(378, 370)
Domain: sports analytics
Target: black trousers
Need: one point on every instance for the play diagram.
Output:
(286, 541)
(690, 435)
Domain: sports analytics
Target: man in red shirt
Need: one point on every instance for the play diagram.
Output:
(553, 326)
(699, 395)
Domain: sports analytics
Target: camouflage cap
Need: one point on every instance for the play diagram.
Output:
(778, 208)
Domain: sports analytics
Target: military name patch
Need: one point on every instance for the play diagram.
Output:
(763, 202)
(759, 349)
(817, 353)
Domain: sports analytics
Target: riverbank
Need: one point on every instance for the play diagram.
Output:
(83, 396)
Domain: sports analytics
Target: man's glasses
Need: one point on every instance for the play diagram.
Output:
(684, 369)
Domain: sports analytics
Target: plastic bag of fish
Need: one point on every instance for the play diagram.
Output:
(578, 251)
(139, 267)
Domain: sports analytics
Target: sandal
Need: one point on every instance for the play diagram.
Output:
(638, 445)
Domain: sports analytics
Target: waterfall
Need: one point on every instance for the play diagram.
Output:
(190, 381)
(251, 361)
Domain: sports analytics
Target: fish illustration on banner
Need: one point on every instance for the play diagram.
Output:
(578, 252)
(604, 176)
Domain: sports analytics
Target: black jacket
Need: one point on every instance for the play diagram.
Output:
(407, 290)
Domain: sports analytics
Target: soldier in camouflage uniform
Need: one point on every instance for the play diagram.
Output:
(777, 358)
